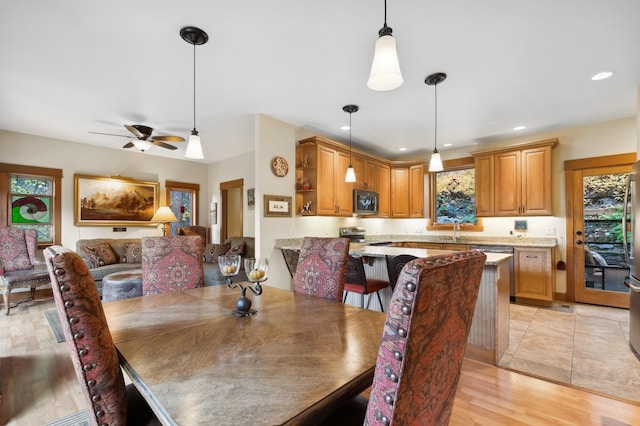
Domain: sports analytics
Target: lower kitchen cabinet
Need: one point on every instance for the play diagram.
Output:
(533, 275)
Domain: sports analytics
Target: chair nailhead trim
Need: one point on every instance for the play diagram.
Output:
(406, 310)
(79, 335)
(68, 304)
(96, 398)
(393, 378)
(83, 352)
(384, 420)
(73, 320)
(99, 413)
(397, 355)
(64, 287)
(388, 399)
(402, 332)
(411, 287)
(87, 367)
(91, 383)
(59, 271)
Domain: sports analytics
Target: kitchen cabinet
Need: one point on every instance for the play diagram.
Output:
(533, 275)
(366, 173)
(514, 181)
(407, 191)
(383, 180)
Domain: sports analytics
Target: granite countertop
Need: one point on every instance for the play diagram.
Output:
(362, 249)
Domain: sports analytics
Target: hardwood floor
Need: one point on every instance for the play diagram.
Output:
(39, 385)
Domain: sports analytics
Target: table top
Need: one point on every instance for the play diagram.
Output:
(196, 363)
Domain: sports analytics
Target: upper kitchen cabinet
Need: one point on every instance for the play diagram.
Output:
(514, 181)
(320, 188)
(407, 190)
(383, 179)
(366, 173)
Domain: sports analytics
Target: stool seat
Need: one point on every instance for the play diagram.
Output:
(122, 285)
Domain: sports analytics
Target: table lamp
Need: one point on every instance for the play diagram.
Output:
(165, 216)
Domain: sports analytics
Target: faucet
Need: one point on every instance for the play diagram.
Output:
(456, 231)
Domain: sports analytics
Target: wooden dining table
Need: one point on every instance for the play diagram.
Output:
(293, 362)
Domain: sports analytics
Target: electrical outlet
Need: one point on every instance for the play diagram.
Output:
(551, 230)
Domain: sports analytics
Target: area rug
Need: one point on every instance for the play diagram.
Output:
(54, 323)
(81, 418)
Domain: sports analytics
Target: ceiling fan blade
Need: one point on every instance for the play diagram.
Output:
(135, 131)
(129, 145)
(169, 138)
(109, 134)
(163, 145)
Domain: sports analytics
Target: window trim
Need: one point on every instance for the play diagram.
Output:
(7, 169)
(448, 165)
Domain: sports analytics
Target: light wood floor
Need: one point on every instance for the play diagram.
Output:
(39, 385)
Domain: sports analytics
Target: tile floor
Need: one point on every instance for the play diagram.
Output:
(583, 345)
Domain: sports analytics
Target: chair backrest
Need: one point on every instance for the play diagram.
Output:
(18, 248)
(291, 259)
(355, 272)
(86, 331)
(424, 339)
(202, 231)
(395, 265)
(171, 264)
(322, 267)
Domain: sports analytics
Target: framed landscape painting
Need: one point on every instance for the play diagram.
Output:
(114, 201)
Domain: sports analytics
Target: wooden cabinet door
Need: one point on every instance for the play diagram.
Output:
(399, 191)
(359, 165)
(383, 182)
(343, 190)
(533, 274)
(326, 181)
(536, 181)
(507, 201)
(416, 191)
(484, 185)
(371, 175)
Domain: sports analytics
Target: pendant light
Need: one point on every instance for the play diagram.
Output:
(385, 70)
(351, 173)
(196, 37)
(435, 164)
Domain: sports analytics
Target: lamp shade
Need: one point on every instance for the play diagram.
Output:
(164, 215)
(435, 164)
(194, 147)
(385, 70)
(350, 176)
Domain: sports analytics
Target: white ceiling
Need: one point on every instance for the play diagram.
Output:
(70, 67)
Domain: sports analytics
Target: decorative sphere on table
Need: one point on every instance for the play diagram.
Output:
(243, 304)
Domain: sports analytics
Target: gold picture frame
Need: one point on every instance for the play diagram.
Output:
(114, 201)
(277, 206)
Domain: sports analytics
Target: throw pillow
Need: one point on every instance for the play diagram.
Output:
(240, 249)
(132, 253)
(212, 251)
(100, 254)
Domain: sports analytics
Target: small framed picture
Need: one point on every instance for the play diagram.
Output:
(251, 198)
(277, 206)
(520, 225)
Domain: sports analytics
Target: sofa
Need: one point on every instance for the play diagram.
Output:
(104, 256)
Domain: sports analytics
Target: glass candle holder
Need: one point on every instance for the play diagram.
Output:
(229, 265)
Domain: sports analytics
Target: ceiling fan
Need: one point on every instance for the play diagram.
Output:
(144, 140)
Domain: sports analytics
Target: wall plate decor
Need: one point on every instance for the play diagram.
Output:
(109, 201)
(279, 166)
(277, 206)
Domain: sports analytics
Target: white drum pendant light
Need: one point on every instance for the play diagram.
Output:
(385, 70)
(196, 37)
(435, 164)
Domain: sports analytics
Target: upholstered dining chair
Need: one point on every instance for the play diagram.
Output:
(395, 265)
(291, 259)
(357, 282)
(19, 264)
(171, 264)
(423, 344)
(92, 350)
(322, 267)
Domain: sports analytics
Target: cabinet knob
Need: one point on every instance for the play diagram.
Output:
(579, 242)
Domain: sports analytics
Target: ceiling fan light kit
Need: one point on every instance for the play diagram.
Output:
(196, 37)
(385, 70)
(435, 164)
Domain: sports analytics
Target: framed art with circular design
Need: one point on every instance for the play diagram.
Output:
(279, 166)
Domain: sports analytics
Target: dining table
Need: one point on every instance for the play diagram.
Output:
(295, 361)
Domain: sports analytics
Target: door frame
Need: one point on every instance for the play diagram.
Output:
(224, 187)
(574, 170)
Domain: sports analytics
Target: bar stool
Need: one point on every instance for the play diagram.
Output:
(358, 282)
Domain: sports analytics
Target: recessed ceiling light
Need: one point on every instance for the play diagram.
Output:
(446, 144)
(345, 127)
(519, 128)
(402, 149)
(602, 75)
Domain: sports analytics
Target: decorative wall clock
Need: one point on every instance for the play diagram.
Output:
(279, 166)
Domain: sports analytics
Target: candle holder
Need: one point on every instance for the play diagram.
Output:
(229, 266)
(256, 270)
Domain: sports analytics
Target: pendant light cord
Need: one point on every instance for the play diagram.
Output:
(385, 13)
(435, 127)
(349, 139)
(194, 87)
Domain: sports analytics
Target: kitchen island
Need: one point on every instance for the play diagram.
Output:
(489, 334)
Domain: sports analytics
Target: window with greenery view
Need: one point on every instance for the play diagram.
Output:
(455, 198)
(31, 204)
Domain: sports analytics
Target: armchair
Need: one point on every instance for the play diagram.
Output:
(19, 265)
(171, 264)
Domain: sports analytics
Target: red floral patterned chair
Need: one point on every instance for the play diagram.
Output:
(19, 264)
(424, 339)
(171, 264)
(322, 267)
(90, 344)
